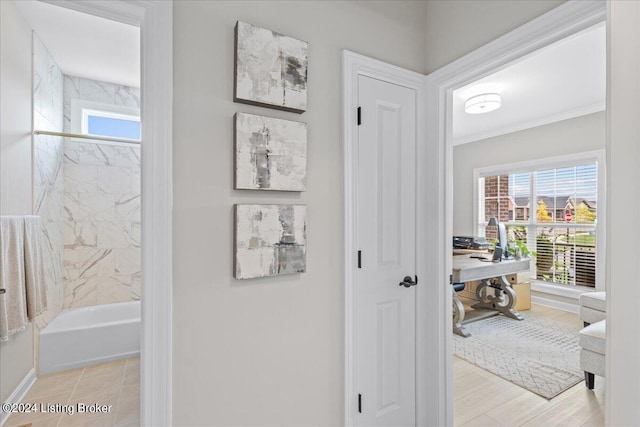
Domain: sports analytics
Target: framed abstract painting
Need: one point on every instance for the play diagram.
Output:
(270, 69)
(270, 240)
(270, 154)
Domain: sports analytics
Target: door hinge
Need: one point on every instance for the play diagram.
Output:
(359, 403)
(359, 116)
(359, 259)
(451, 279)
(416, 279)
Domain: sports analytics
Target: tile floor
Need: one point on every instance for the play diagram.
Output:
(114, 383)
(502, 404)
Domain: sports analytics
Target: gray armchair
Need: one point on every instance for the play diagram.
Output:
(592, 336)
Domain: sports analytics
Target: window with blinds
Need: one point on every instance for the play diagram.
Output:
(553, 210)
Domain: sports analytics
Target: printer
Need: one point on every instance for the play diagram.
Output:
(470, 242)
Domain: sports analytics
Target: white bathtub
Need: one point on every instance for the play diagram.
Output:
(86, 336)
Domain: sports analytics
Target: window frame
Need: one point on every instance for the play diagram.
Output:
(531, 166)
(81, 109)
(87, 112)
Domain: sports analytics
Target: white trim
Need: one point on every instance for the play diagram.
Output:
(528, 124)
(157, 214)
(19, 393)
(558, 305)
(155, 19)
(544, 163)
(355, 65)
(563, 21)
(126, 11)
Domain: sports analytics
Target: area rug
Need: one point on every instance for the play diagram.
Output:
(538, 354)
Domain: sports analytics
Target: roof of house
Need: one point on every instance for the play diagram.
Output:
(560, 202)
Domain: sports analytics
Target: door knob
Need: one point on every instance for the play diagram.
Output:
(407, 282)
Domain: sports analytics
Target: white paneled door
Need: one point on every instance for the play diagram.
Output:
(385, 279)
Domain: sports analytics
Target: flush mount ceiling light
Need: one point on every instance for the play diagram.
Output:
(483, 103)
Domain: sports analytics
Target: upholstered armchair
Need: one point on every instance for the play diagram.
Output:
(592, 336)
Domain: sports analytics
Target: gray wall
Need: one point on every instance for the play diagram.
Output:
(623, 220)
(16, 355)
(576, 135)
(267, 351)
(457, 27)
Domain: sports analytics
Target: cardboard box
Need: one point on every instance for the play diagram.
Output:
(519, 277)
(523, 296)
(470, 290)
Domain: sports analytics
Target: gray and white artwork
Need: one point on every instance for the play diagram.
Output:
(270, 240)
(271, 69)
(271, 154)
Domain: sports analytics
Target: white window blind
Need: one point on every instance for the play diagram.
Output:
(553, 210)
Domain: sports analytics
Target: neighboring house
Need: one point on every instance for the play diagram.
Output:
(557, 207)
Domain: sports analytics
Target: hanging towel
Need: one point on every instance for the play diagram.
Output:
(34, 267)
(13, 307)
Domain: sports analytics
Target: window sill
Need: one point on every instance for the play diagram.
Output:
(132, 144)
(572, 292)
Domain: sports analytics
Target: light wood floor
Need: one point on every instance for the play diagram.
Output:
(484, 399)
(114, 384)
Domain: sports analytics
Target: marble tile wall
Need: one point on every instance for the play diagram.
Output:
(101, 206)
(49, 172)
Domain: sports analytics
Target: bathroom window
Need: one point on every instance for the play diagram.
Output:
(109, 124)
(105, 120)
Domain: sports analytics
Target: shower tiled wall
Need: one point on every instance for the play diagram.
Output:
(102, 207)
(48, 176)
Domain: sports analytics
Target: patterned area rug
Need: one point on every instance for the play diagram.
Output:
(538, 354)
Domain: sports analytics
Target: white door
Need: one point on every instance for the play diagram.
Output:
(386, 238)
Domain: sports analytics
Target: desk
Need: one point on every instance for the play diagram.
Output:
(492, 274)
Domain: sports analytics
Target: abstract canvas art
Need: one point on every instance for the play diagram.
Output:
(270, 69)
(270, 240)
(271, 154)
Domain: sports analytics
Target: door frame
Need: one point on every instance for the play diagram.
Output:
(155, 19)
(354, 66)
(563, 21)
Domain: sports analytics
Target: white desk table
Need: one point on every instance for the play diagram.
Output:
(492, 274)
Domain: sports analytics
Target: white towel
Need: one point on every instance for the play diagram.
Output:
(34, 267)
(13, 307)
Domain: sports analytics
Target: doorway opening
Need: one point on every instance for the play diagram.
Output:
(87, 192)
(507, 177)
(383, 313)
(114, 127)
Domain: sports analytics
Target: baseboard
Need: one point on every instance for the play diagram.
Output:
(559, 305)
(19, 393)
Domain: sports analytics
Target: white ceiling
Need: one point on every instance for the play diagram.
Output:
(561, 81)
(84, 45)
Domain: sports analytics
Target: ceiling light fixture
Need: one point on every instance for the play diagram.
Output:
(483, 103)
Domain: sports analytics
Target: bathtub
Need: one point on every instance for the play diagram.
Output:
(86, 336)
